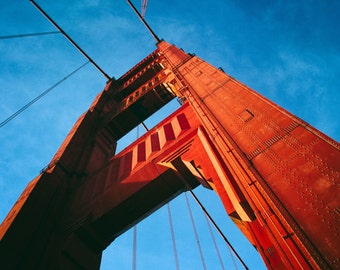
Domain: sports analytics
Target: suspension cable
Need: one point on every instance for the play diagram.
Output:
(70, 40)
(173, 236)
(40, 96)
(29, 35)
(145, 127)
(144, 22)
(218, 229)
(195, 231)
(214, 241)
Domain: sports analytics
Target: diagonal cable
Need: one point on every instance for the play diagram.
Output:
(215, 244)
(29, 104)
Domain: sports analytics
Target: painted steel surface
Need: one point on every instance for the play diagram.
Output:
(285, 170)
(277, 177)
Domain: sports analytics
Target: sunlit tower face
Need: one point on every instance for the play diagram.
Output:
(225, 136)
(274, 173)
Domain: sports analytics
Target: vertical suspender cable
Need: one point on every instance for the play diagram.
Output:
(219, 230)
(144, 5)
(134, 255)
(134, 252)
(195, 231)
(232, 258)
(173, 237)
(215, 245)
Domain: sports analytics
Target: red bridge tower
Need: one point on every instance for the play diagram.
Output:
(277, 177)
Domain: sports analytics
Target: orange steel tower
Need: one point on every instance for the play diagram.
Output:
(277, 177)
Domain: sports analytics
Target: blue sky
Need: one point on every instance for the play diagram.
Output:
(289, 51)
